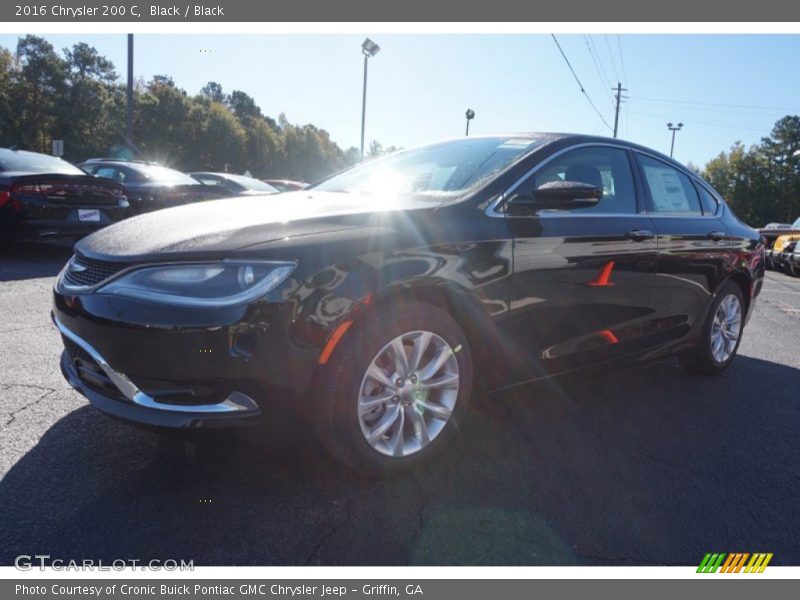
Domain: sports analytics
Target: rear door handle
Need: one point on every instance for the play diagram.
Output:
(639, 235)
(717, 236)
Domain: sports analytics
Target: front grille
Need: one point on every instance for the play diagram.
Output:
(89, 272)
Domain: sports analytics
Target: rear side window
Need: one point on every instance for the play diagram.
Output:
(670, 190)
(109, 173)
(707, 201)
(206, 180)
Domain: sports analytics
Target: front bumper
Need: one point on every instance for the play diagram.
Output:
(116, 395)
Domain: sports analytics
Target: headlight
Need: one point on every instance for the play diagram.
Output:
(225, 283)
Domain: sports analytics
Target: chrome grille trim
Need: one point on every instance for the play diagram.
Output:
(86, 273)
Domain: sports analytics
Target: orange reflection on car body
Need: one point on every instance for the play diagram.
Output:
(609, 335)
(603, 279)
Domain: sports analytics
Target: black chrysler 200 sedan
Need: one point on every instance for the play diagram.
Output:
(376, 295)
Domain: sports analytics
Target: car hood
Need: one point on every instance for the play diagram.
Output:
(217, 227)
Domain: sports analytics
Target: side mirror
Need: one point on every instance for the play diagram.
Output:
(557, 195)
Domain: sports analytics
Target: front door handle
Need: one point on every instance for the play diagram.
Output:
(717, 236)
(639, 235)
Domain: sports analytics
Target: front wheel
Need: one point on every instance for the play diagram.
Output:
(721, 334)
(396, 390)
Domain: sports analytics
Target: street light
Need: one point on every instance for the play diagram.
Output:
(470, 116)
(368, 49)
(673, 129)
(129, 95)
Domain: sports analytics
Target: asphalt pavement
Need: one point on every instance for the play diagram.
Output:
(638, 466)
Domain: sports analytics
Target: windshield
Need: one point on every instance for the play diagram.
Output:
(251, 183)
(449, 168)
(31, 162)
(166, 175)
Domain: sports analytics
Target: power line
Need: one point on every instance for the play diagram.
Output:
(714, 104)
(601, 74)
(606, 79)
(622, 61)
(611, 56)
(627, 122)
(697, 122)
(578, 81)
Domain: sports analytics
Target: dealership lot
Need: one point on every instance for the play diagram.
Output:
(643, 465)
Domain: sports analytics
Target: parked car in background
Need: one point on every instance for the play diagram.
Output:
(793, 260)
(784, 260)
(378, 295)
(150, 186)
(46, 199)
(771, 232)
(778, 226)
(234, 185)
(775, 253)
(286, 185)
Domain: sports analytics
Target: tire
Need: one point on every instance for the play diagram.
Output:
(794, 269)
(408, 424)
(708, 358)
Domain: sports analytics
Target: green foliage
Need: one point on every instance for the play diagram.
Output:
(762, 183)
(77, 97)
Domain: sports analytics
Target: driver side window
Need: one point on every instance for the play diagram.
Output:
(603, 167)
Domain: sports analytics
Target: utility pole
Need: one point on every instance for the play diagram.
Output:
(673, 129)
(129, 105)
(619, 89)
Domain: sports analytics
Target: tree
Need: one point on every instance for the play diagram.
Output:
(762, 183)
(167, 130)
(86, 120)
(84, 62)
(7, 77)
(41, 82)
(262, 149)
(227, 150)
(213, 91)
(781, 149)
(243, 106)
(77, 97)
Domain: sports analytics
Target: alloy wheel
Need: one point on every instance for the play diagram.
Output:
(408, 393)
(726, 328)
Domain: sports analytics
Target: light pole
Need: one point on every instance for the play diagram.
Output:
(673, 129)
(470, 115)
(129, 95)
(368, 49)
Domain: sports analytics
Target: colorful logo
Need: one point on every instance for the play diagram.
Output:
(735, 562)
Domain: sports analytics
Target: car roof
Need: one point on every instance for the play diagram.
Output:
(113, 159)
(16, 152)
(569, 139)
(215, 174)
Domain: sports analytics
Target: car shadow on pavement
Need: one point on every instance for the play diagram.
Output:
(642, 465)
(32, 261)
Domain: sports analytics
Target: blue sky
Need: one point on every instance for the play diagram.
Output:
(724, 88)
